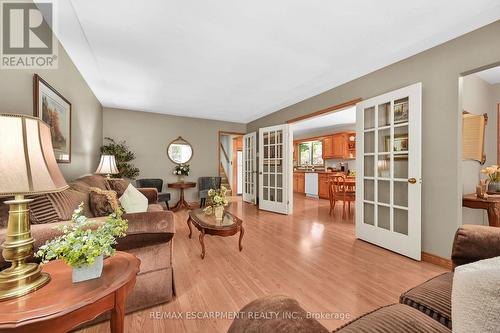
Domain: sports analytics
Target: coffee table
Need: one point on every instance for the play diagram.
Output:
(208, 225)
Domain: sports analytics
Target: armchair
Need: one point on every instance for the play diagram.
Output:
(156, 183)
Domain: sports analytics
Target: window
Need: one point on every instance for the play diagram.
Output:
(311, 153)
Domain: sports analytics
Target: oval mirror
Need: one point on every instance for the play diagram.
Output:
(180, 151)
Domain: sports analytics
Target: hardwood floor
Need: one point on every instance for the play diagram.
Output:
(309, 256)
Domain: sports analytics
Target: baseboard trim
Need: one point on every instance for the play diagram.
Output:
(437, 260)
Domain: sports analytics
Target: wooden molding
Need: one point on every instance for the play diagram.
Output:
(327, 110)
(437, 260)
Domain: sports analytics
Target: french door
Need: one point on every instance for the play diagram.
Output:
(275, 169)
(388, 181)
(249, 168)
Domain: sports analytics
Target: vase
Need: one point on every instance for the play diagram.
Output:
(494, 187)
(88, 272)
(219, 212)
(181, 179)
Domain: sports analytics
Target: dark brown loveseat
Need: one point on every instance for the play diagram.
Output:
(424, 308)
(149, 236)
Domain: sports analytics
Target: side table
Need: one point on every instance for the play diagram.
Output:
(181, 186)
(62, 305)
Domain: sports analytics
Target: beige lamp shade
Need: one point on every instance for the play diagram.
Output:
(107, 165)
(27, 160)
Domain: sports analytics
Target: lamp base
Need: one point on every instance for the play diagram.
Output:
(19, 281)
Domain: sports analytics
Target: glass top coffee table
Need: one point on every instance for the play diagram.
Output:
(208, 225)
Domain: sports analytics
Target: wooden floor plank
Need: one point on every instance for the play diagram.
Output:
(310, 255)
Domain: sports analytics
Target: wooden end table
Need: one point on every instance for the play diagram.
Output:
(491, 205)
(208, 225)
(181, 186)
(62, 305)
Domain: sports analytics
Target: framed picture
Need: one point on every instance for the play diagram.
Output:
(50, 106)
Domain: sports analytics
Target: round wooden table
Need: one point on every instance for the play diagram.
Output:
(181, 186)
(62, 305)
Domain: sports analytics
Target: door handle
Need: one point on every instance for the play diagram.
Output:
(412, 181)
(260, 173)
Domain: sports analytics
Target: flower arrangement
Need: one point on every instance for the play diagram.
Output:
(182, 170)
(217, 198)
(493, 173)
(81, 243)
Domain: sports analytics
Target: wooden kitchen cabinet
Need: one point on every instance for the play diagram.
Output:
(299, 182)
(327, 147)
(323, 186)
(338, 146)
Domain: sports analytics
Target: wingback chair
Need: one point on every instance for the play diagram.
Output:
(205, 184)
(155, 183)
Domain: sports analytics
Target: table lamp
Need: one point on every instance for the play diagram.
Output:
(107, 166)
(27, 167)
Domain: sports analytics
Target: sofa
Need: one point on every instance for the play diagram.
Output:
(424, 308)
(149, 235)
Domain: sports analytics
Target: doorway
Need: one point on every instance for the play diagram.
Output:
(230, 168)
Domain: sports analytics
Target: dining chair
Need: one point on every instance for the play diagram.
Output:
(339, 191)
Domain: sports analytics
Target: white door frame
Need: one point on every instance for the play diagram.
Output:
(410, 244)
(286, 204)
(250, 169)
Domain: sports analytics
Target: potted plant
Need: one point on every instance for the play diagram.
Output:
(217, 200)
(493, 177)
(181, 170)
(83, 245)
(123, 156)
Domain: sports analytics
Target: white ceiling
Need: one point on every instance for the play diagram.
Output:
(238, 60)
(330, 120)
(492, 75)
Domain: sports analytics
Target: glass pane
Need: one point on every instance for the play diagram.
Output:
(401, 110)
(266, 166)
(401, 166)
(384, 140)
(368, 213)
(384, 191)
(279, 149)
(369, 142)
(305, 153)
(272, 196)
(401, 221)
(266, 138)
(271, 182)
(369, 166)
(317, 153)
(279, 180)
(266, 151)
(383, 166)
(279, 138)
(401, 139)
(279, 195)
(384, 116)
(272, 136)
(266, 180)
(369, 117)
(384, 217)
(266, 195)
(272, 152)
(401, 194)
(369, 190)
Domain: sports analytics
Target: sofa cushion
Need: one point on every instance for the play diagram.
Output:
(118, 185)
(396, 318)
(102, 202)
(432, 297)
(42, 210)
(475, 297)
(133, 201)
(155, 208)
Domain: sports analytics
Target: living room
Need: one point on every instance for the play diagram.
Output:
(126, 113)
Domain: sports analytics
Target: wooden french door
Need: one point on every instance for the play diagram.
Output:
(275, 169)
(249, 168)
(388, 163)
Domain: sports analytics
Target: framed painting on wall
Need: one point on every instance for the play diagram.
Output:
(50, 106)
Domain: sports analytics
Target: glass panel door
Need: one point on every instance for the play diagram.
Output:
(249, 168)
(275, 169)
(389, 171)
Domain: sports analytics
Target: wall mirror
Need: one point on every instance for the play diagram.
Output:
(180, 151)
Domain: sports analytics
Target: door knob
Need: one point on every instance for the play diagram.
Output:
(412, 181)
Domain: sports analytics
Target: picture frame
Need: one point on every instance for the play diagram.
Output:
(401, 111)
(54, 109)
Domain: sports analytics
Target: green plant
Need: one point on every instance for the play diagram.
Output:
(81, 242)
(123, 156)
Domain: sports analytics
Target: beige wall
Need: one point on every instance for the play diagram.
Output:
(438, 69)
(148, 135)
(16, 96)
(478, 97)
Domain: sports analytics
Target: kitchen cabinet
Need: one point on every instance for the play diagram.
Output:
(323, 185)
(327, 147)
(299, 182)
(339, 146)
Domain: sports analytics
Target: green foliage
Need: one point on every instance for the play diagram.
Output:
(123, 156)
(82, 242)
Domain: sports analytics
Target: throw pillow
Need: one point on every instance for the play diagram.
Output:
(133, 201)
(102, 202)
(475, 297)
(118, 185)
